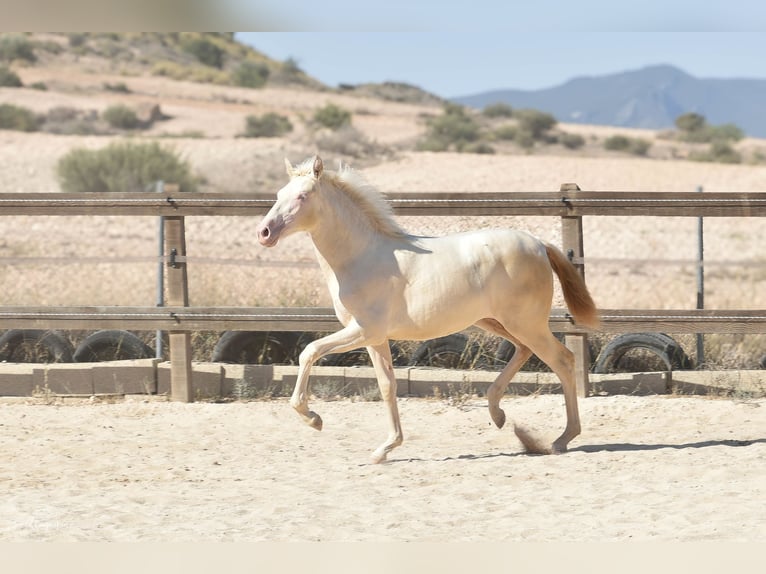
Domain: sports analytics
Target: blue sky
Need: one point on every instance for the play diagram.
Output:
(452, 64)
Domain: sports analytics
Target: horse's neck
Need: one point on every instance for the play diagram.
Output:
(342, 235)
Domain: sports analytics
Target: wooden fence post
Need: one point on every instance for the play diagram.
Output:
(178, 295)
(572, 243)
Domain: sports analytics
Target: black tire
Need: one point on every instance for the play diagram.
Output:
(670, 354)
(506, 349)
(454, 351)
(256, 348)
(360, 357)
(35, 346)
(112, 345)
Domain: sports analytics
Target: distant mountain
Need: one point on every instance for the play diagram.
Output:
(651, 97)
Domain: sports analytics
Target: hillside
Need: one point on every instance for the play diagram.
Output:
(652, 98)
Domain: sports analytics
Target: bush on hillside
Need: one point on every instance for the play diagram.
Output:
(693, 128)
(121, 117)
(18, 118)
(122, 167)
(455, 128)
(14, 47)
(206, 51)
(719, 152)
(332, 117)
(571, 141)
(498, 110)
(250, 75)
(267, 126)
(9, 78)
(635, 146)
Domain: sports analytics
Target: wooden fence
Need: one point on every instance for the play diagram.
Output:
(179, 319)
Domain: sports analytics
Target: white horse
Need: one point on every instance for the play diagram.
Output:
(387, 284)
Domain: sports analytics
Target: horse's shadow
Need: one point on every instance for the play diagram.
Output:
(595, 448)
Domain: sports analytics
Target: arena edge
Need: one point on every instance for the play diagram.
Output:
(223, 381)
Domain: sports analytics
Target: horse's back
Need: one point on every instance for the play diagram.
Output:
(450, 282)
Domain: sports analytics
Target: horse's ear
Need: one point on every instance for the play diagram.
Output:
(318, 167)
(289, 168)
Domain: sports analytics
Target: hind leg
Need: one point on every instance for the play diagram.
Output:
(561, 360)
(497, 389)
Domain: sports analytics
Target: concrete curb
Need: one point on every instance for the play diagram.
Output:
(227, 381)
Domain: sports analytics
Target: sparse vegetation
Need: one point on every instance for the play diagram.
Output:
(332, 117)
(693, 128)
(250, 75)
(571, 141)
(9, 78)
(719, 152)
(635, 146)
(121, 117)
(454, 129)
(17, 118)
(498, 110)
(15, 47)
(268, 125)
(204, 50)
(122, 167)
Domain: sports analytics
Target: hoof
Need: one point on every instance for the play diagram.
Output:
(558, 448)
(315, 421)
(498, 417)
(378, 457)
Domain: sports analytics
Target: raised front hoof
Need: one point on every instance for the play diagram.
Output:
(498, 417)
(314, 421)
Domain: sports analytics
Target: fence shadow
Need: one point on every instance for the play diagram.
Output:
(592, 448)
(631, 447)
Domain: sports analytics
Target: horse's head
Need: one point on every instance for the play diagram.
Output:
(295, 208)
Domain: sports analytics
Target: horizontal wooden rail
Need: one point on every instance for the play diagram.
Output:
(560, 203)
(323, 319)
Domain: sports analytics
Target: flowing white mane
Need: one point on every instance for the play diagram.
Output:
(368, 200)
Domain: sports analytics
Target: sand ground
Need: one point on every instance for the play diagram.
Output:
(645, 468)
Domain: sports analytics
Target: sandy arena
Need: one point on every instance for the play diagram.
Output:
(645, 468)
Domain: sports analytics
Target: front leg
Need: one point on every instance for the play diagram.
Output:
(349, 338)
(384, 372)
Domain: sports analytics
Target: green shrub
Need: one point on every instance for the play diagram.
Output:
(119, 87)
(120, 117)
(267, 126)
(498, 110)
(479, 147)
(691, 122)
(122, 167)
(535, 122)
(506, 133)
(206, 51)
(13, 47)
(635, 146)
(719, 152)
(454, 128)
(571, 141)
(726, 132)
(9, 78)
(617, 143)
(250, 75)
(694, 128)
(18, 118)
(332, 117)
